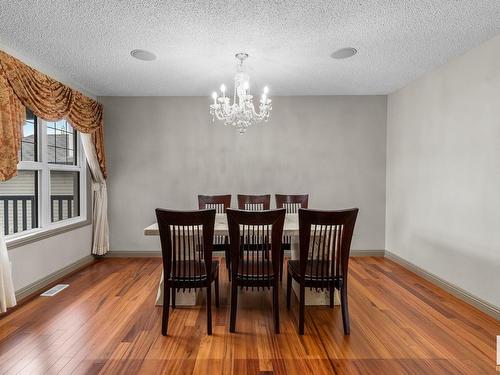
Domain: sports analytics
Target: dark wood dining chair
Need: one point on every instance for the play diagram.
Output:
(255, 241)
(325, 243)
(186, 244)
(254, 202)
(220, 203)
(292, 203)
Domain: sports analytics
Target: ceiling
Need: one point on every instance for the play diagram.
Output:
(289, 42)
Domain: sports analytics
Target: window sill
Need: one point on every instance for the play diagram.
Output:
(35, 235)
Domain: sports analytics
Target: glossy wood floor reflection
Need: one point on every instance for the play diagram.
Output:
(106, 322)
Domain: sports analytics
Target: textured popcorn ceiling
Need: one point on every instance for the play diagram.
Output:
(289, 42)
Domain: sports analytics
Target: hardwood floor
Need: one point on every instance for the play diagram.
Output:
(106, 322)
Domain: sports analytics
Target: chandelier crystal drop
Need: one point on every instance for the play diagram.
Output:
(241, 113)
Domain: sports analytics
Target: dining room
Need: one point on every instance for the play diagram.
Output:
(249, 187)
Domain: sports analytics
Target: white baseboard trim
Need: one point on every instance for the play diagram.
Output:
(458, 292)
(157, 253)
(367, 253)
(144, 254)
(133, 254)
(49, 279)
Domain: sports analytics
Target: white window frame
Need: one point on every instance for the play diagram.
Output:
(43, 167)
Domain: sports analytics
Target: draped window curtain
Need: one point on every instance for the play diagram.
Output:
(23, 87)
(100, 243)
(7, 295)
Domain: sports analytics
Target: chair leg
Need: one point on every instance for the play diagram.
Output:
(166, 305)
(302, 304)
(209, 309)
(173, 297)
(228, 262)
(345, 309)
(332, 296)
(234, 306)
(282, 259)
(217, 290)
(276, 307)
(288, 290)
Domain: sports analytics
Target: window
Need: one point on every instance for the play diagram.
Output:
(64, 187)
(61, 143)
(19, 203)
(28, 151)
(49, 190)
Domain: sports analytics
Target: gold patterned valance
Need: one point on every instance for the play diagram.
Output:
(22, 86)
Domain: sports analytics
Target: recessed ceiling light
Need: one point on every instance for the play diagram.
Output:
(143, 55)
(344, 53)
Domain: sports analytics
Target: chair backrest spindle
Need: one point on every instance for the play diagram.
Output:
(254, 202)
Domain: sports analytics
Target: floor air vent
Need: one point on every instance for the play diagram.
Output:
(54, 290)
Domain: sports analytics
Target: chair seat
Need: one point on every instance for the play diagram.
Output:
(313, 271)
(286, 243)
(192, 270)
(252, 270)
(220, 246)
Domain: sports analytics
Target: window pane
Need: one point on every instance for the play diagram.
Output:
(64, 199)
(18, 203)
(28, 150)
(61, 141)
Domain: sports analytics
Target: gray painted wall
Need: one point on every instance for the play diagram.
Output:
(163, 151)
(443, 172)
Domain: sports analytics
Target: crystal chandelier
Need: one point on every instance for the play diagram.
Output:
(241, 114)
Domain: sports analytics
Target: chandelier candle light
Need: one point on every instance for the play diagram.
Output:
(241, 114)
